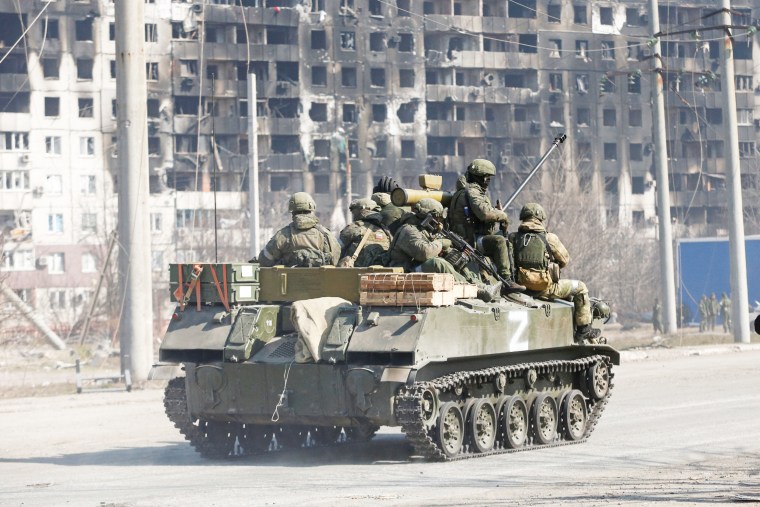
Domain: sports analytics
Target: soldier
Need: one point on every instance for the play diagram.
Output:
(539, 255)
(703, 313)
(657, 316)
(725, 313)
(304, 242)
(367, 224)
(472, 216)
(713, 310)
(389, 211)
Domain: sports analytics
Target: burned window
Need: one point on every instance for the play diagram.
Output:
(514, 80)
(555, 48)
(319, 76)
(521, 8)
(185, 143)
(377, 41)
(490, 115)
(607, 83)
(83, 29)
(188, 68)
(609, 118)
(381, 149)
(285, 144)
(321, 148)
(52, 106)
(440, 146)
(406, 42)
(348, 41)
(404, 7)
(317, 5)
(212, 71)
(608, 50)
(743, 50)
(151, 71)
(605, 15)
(379, 113)
(581, 48)
(348, 77)
(634, 118)
(349, 113)
(318, 39)
(154, 146)
(459, 113)
(321, 183)
(555, 82)
(153, 108)
(714, 116)
(554, 13)
(521, 113)
(611, 184)
(580, 16)
(407, 148)
(50, 68)
(84, 68)
(375, 8)
(583, 116)
(50, 29)
(635, 152)
(632, 17)
(278, 183)
(287, 71)
(556, 117)
(527, 43)
(318, 111)
(581, 83)
(185, 105)
(377, 77)
(406, 112)
(610, 151)
(86, 107)
(284, 108)
(406, 78)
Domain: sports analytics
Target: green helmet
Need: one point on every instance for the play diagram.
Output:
(428, 205)
(364, 204)
(600, 309)
(481, 167)
(532, 210)
(300, 202)
(381, 198)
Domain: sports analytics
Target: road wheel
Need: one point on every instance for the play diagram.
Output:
(544, 418)
(482, 425)
(514, 417)
(598, 380)
(450, 429)
(574, 414)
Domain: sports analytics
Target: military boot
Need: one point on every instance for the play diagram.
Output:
(511, 286)
(588, 334)
(489, 293)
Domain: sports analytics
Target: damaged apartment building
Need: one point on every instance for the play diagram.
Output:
(383, 87)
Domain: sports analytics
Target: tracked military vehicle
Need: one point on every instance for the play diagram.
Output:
(282, 358)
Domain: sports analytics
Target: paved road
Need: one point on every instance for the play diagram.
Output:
(683, 429)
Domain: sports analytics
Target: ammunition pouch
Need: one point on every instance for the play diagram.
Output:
(554, 271)
(533, 279)
(456, 259)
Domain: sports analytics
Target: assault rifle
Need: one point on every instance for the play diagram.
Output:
(459, 244)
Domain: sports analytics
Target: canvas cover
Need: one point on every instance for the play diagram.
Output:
(313, 319)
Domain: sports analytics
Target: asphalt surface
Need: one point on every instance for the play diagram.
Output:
(682, 427)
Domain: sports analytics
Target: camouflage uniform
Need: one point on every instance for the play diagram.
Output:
(725, 313)
(366, 218)
(657, 316)
(703, 313)
(302, 243)
(472, 216)
(389, 211)
(712, 311)
(533, 216)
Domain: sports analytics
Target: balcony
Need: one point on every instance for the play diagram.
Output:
(445, 128)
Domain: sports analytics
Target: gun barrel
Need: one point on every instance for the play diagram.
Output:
(409, 196)
(557, 141)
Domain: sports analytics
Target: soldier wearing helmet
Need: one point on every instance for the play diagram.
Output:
(472, 216)
(304, 242)
(416, 249)
(539, 255)
(389, 211)
(366, 230)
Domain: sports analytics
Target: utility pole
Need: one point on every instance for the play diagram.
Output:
(667, 278)
(733, 180)
(253, 167)
(135, 283)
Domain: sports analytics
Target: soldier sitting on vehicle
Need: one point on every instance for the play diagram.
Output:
(304, 242)
(366, 240)
(389, 211)
(472, 216)
(539, 255)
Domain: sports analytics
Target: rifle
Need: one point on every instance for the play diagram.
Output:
(458, 243)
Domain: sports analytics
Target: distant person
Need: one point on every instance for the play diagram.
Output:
(703, 313)
(657, 316)
(713, 310)
(725, 313)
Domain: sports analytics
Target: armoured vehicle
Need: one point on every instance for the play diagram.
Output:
(278, 358)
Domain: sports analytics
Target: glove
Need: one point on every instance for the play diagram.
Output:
(445, 243)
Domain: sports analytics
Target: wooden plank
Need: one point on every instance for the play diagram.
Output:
(407, 281)
(427, 298)
(465, 290)
(378, 298)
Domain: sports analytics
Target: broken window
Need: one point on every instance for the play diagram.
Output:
(440, 146)
(527, 43)
(318, 111)
(633, 18)
(214, 34)
(284, 108)
(152, 106)
(581, 83)
(607, 84)
(348, 77)
(610, 151)
(151, 32)
(86, 108)
(377, 77)
(555, 82)
(278, 183)
(608, 50)
(348, 41)
(321, 183)
(321, 148)
(743, 116)
(556, 117)
(521, 113)
(84, 68)
(634, 83)
(555, 48)
(583, 115)
(743, 50)
(634, 118)
(50, 68)
(377, 41)
(605, 15)
(581, 48)
(490, 116)
(379, 113)
(459, 114)
(13, 64)
(494, 43)
(285, 144)
(611, 184)
(154, 146)
(282, 35)
(287, 71)
(514, 80)
(404, 7)
(521, 8)
(212, 71)
(580, 16)
(406, 42)
(185, 143)
(459, 78)
(715, 116)
(151, 71)
(746, 149)
(714, 149)
(553, 13)
(50, 29)
(318, 39)
(52, 106)
(407, 148)
(185, 105)
(406, 112)
(188, 68)
(406, 78)
(349, 113)
(609, 118)
(318, 76)
(375, 8)
(83, 29)
(381, 149)
(635, 152)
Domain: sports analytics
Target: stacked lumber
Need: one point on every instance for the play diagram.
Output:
(412, 289)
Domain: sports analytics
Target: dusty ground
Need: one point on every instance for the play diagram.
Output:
(35, 369)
